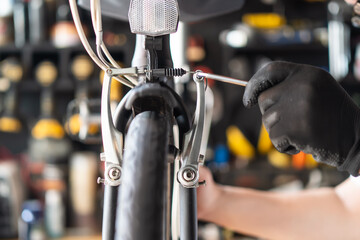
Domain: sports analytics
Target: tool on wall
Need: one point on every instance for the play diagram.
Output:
(48, 141)
(63, 33)
(49, 150)
(83, 113)
(12, 73)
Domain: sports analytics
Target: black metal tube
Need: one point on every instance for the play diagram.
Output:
(109, 212)
(188, 214)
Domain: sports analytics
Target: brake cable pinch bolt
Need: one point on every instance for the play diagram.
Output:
(189, 175)
(197, 77)
(114, 174)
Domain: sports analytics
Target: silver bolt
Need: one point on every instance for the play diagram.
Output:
(189, 175)
(114, 173)
(197, 77)
(109, 71)
(100, 180)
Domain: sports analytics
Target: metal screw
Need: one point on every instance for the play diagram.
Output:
(189, 175)
(100, 180)
(109, 71)
(114, 173)
(197, 77)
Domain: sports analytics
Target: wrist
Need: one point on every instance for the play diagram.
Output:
(212, 205)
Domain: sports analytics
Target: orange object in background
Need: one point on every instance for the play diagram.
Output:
(196, 49)
(299, 161)
(303, 160)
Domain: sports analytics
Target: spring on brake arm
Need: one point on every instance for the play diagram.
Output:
(169, 72)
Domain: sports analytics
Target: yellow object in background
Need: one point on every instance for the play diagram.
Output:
(10, 124)
(12, 70)
(278, 159)
(264, 20)
(48, 128)
(46, 73)
(116, 91)
(116, 88)
(82, 67)
(310, 162)
(74, 124)
(264, 144)
(238, 143)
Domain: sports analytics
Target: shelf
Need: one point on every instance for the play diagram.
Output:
(291, 48)
(29, 86)
(61, 85)
(312, 54)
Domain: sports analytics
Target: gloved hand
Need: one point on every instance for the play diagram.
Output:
(305, 109)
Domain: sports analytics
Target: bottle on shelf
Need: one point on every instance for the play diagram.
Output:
(54, 188)
(21, 23)
(54, 213)
(83, 170)
(37, 21)
(11, 198)
(31, 222)
(83, 113)
(64, 33)
(6, 25)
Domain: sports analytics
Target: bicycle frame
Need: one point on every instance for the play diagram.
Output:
(153, 81)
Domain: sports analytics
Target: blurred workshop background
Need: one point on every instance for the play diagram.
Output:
(50, 104)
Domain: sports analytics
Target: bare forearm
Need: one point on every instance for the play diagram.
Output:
(318, 214)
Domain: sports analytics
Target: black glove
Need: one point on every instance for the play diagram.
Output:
(305, 109)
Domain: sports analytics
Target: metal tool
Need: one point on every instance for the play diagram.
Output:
(200, 74)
